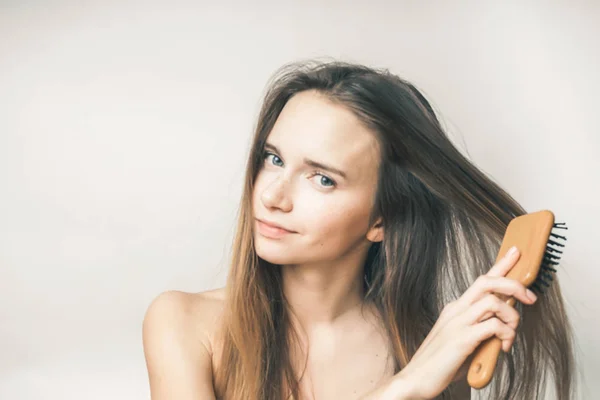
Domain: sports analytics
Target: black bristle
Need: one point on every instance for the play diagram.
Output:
(550, 249)
(546, 262)
(547, 275)
(548, 268)
(555, 243)
(550, 259)
(558, 236)
(541, 280)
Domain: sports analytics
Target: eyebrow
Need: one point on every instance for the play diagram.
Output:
(312, 163)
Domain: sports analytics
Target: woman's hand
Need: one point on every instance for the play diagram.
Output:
(463, 324)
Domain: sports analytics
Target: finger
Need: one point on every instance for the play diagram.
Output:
(506, 263)
(506, 345)
(489, 306)
(500, 269)
(489, 328)
(500, 285)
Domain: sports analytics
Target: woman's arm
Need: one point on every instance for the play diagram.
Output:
(399, 388)
(395, 388)
(444, 356)
(178, 361)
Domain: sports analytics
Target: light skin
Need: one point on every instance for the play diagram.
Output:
(322, 262)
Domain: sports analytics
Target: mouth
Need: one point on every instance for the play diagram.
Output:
(272, 230)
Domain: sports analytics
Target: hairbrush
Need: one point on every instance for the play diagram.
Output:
(535, 236)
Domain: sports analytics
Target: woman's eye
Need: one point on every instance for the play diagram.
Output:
(325, 181)
(275, 160)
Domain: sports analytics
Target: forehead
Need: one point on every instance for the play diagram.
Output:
(312, 126)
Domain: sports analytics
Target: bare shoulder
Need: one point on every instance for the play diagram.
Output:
(178, 333)
(186, 314)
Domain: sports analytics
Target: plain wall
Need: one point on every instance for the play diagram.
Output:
(124, 128)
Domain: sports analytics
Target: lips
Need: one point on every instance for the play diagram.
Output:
(274, 226)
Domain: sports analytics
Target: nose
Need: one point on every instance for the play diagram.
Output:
(275, 196)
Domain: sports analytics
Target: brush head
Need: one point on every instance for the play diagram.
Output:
(551, 258)
(537, 237)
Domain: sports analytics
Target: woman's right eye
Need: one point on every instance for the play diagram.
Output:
(274, 160)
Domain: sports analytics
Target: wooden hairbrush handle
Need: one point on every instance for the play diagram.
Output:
(485, 359)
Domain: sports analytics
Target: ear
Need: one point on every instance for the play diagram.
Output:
(375, 234)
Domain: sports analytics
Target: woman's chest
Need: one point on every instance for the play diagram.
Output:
(333, 363)
(344, 365)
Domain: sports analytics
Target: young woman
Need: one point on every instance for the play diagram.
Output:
(362, 267)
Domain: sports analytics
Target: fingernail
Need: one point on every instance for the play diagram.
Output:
(512, 251)
(531, 295)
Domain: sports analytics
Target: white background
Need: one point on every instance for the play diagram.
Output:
(124, 129)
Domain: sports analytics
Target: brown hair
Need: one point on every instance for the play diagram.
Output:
(444, 221)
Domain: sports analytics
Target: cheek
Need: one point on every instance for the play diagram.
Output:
(328, 230)
(339, 227)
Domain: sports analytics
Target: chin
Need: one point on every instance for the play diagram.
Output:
(275, 260)
(274, 253)
(275, 257)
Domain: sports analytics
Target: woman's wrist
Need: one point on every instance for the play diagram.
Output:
(397, 387)
(403, 387)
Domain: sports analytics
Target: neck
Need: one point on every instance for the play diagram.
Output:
(320, 294)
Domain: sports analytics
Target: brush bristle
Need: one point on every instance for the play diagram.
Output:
(550, 260)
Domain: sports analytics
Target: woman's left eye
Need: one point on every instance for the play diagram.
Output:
(325, 181)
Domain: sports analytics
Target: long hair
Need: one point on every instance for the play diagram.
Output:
(444, 221)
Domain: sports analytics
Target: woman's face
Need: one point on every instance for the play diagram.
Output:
(326, 207)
